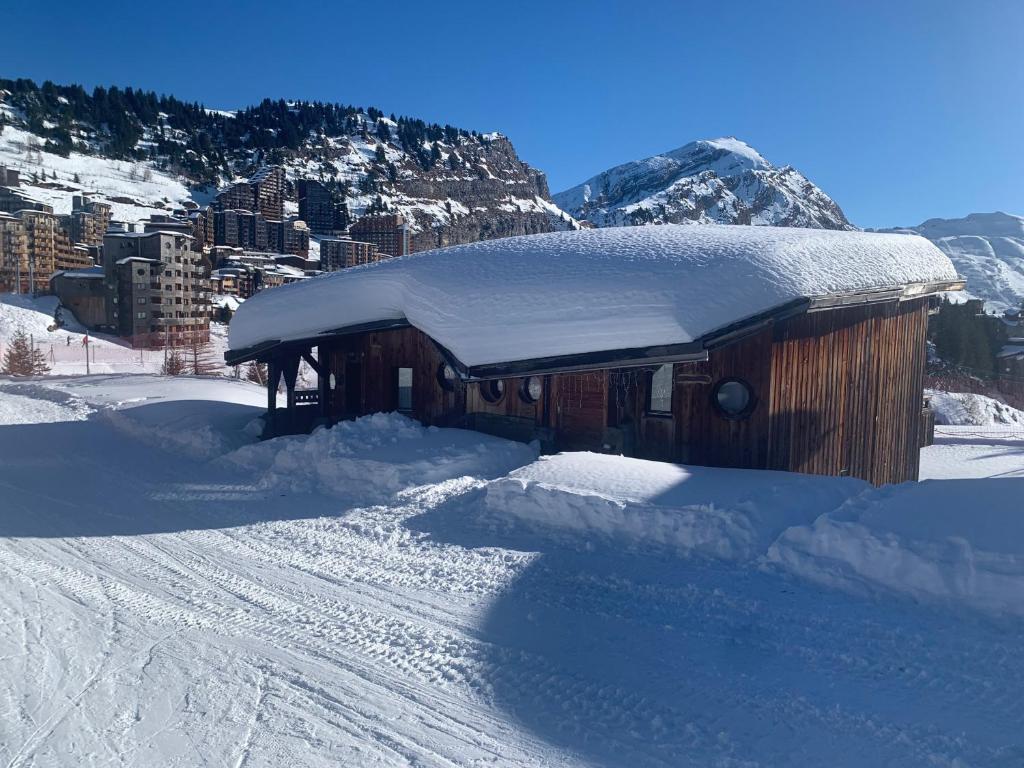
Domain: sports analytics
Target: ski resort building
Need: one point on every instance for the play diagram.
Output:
(732, 346)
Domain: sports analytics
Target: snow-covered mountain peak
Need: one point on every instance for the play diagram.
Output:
(726, 156)
(723, 181)
(987, 249)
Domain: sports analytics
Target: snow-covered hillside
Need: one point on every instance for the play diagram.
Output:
(988, 250)
(134, 189)
(452, 185)
(64, 349)
(718, 181)
(384, 594)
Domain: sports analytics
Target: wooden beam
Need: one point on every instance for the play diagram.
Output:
(323, 374)
(273, 376)
(290, 369)
(308, 357)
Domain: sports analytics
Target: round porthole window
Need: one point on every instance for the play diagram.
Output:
(492, 391)
(531, 389)
(447, 377)
(733, 398)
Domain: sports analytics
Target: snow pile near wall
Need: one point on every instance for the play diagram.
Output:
(967, 409)
(369, 460)
(729, 514)
(565, 293)
(956, 541)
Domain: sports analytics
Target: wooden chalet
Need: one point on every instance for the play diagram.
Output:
(812, 360)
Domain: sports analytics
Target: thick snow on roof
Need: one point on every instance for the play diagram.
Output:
(567, 293)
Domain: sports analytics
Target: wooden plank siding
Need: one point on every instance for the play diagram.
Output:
(837, 392)
(377, 356)
(846, 392)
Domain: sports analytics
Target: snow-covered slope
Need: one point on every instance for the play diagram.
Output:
(276, 607)
(988, 250)
(566, 293)
(134, 189)
(63, 347)
(720, 181)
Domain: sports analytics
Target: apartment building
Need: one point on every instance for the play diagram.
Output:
(342, 253)
(88, 221)
(14, 277)
(158, 288)
(389, 232)
(262, 193)
(320, 207)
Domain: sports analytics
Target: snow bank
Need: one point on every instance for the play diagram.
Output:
(729, 514)
(967, 409)
(957, 541)
(201, 417)
(369, 460)
(602, 289)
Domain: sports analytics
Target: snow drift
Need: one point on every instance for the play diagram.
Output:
(728, 514)
(605, 289)
(372, 458)
(969, 409)
(957, 541)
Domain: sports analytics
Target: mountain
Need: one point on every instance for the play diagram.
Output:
(987, 249)
(719, 181)
(146, 153)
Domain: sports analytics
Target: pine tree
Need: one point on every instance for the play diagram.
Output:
(200, 361)
(256, 372)
(22, 358)
(174, 364)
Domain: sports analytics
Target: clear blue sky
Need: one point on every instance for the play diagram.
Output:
(900, 110)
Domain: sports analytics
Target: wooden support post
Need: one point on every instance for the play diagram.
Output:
(273, 376)
(290, 369)
(323, 381)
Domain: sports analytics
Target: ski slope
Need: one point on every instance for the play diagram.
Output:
(382, 594)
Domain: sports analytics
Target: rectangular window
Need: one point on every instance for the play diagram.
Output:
(404, 383)
(141, 300)
(141, 315)
(659, 391)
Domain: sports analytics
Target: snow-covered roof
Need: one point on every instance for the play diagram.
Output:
(567, 293)
(1011, 350)
(90, 272)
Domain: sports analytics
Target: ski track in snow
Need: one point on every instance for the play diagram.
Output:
(188, 615)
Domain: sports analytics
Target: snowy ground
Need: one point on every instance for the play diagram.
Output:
(384, 594)
(63, 347)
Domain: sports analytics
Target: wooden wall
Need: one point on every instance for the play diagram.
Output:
(374, 358)
(846, 392)
(837, 392)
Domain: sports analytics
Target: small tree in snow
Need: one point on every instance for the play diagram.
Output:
(22, 358)
(257, 373)
(174, 364)
(201, 362)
